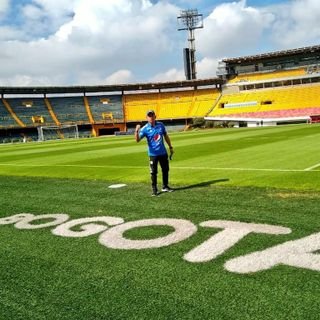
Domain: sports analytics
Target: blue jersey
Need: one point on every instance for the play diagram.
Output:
(154, 136)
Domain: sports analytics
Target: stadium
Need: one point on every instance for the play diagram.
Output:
(81, 238)
(263, 90)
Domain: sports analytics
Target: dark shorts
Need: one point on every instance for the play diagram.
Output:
(164, 163)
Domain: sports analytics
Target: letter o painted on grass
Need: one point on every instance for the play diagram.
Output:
(26, 223)
(88, 228)
(15, 218)
(113, 238)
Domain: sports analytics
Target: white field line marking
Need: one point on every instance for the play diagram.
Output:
(117, 186)
(143, 167)
(313, 167)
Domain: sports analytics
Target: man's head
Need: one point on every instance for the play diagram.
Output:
(151, 116)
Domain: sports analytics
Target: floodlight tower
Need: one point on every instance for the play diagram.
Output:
(190, 20)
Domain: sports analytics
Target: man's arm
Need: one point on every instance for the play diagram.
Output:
(136, 133)
(167, 138)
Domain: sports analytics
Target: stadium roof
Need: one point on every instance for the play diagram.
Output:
(111, 88)
(275, 54)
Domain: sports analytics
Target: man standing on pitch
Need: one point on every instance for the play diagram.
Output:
(155, 131)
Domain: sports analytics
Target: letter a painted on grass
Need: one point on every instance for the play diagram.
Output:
(297, 253)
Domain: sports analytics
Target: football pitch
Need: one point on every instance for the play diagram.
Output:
(237, 239)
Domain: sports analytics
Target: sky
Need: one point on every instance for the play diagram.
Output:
(97, 42)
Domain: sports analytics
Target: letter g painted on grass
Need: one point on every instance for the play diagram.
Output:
(88, 229)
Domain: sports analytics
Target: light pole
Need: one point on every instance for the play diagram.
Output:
(190, 20)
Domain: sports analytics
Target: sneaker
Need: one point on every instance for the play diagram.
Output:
(167, 189)
(154, 194)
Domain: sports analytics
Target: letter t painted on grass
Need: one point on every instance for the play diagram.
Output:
(233, 232)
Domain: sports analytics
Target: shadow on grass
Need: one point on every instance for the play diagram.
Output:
(201, 184)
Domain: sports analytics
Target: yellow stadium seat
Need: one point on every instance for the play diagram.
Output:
(170, 105)
(275, 99)
(260, 76)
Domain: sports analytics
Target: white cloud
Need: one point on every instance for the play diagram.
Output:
(170, 75)
(207, 68)
(101, 38)
(4, 7)
(33, 12)
(232, 28)
(97, 41)
(297, 24)
(41, 18)
(27, 80)
(8, 33)
(120, 77)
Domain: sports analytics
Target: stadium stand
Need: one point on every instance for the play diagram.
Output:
(175, 105)
(170, 105)
(53, 115)
(261, 76)
(31, 111)
(6, 119)
(136, 105)
(204, 101)
(12, 113)
(280, 85)
(87, 106)
(276, 102)
(98, 110)
(69, 110)
(103, 104)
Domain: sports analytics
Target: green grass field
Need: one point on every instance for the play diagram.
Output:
(262, 176)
